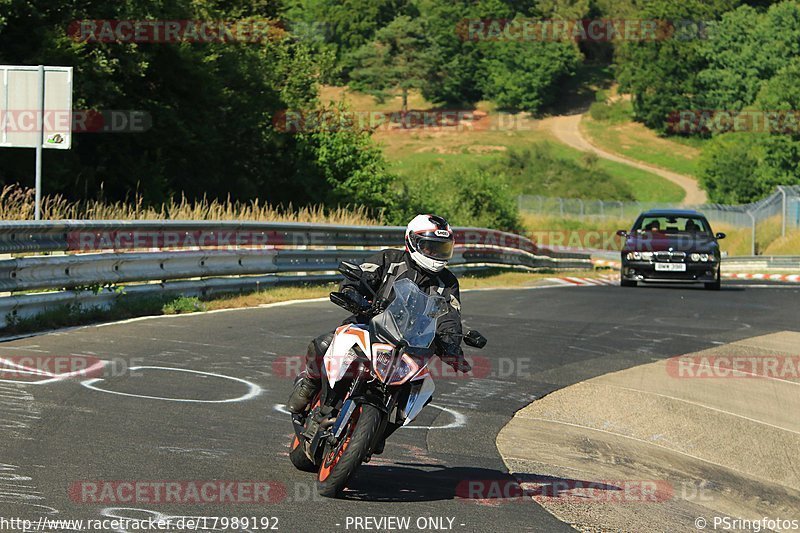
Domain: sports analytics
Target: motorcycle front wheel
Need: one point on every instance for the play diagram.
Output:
(340, 462)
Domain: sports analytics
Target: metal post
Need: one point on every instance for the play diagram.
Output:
(783, 212)
(39, 142)
(753, 235)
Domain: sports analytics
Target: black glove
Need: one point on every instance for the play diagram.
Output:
(361, 304)
(453, 355)
(377, 307)
(459, 364)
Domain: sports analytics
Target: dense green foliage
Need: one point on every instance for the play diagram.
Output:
(485, 194)
(217, 108)
(398, 58)
(742, 57)
(212, 107)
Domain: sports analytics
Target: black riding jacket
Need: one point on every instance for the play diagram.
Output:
(381, 270)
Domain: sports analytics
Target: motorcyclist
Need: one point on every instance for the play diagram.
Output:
(429, 244)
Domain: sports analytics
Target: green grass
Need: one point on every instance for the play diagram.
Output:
(645, 186)
(634, 141)
(412, 155)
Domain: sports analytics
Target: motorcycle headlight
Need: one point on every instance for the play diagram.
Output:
(381, 361)
(695, 257)
(406, 369)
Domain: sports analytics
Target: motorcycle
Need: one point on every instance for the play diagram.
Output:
(374, 380)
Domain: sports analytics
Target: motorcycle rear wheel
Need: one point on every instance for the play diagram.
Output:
(340, 462)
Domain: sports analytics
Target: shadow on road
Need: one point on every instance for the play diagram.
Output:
(417, 482)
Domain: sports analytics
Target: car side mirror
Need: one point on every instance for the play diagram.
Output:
(622, 233)
(350, 271)
(474, 339)
(720, 235)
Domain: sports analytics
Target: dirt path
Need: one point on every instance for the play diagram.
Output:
(566, 129)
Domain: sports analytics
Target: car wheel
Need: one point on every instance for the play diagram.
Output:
(627, 283)
(714, 285)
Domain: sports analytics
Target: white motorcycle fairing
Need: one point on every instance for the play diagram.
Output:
(341, 352)
(421, 393)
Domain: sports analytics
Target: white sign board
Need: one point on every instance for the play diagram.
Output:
(21, 102)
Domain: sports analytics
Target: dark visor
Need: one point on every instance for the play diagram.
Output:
(436, 249)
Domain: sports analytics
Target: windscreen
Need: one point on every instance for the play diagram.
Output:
(412, 315)
(673, 224)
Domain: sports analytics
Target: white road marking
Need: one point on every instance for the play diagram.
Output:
(22, 369)
(254, 390)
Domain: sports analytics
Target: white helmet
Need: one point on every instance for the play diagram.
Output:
(429, 240)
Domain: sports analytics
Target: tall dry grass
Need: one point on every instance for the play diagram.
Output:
(17, 203)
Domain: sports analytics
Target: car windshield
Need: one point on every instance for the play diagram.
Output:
(672, 224)
(411, 316)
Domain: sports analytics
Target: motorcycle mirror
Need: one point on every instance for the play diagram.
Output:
(350, 271)
(475, 339)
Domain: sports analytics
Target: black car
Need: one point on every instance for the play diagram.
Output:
(671, 245)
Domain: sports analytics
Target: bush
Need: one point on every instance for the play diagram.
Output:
(540, 171)
(351, 164)
(474, 197)
(744, 167)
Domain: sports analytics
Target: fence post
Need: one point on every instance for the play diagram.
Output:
(753, 234)
(783, 212)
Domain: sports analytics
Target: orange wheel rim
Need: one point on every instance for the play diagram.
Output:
(333, 457)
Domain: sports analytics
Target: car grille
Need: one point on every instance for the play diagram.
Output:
(670, 257)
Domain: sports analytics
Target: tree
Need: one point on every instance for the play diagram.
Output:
(342, 26)
(526, 75)
(744, 49)
(398, 58)
(744, 167)
(662, 75)
(214, 108)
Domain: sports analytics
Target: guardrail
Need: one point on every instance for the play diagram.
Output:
(94, 263)
(762, 262)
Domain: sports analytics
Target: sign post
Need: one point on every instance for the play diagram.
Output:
(36, 112)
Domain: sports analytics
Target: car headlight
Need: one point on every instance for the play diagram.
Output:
(647, 256)
(695, 257)
(629, 256)
(704, 257)
(637, 256)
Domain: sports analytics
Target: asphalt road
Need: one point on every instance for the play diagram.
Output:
(61, 436)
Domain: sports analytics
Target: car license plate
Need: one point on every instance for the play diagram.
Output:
(671, 267)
